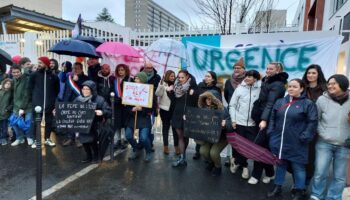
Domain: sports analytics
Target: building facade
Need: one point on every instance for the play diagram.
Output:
(141, 15)
(270, 19)
(47, 7)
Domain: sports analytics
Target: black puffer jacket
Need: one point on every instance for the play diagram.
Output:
(104, 86)
(272, 88)
(101, 104)
(37, 87)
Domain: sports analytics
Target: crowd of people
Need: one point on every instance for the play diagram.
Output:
(303, 122)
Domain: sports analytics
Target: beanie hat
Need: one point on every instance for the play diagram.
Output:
(45, 60)
(253, 73)
(142, 76)
(342, 80)
(16, 59)
(240, 62)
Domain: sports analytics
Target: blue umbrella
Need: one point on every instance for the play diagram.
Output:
(91, 40)
(5, 58)
(74, 47)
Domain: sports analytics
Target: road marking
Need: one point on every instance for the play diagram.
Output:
(73, 177)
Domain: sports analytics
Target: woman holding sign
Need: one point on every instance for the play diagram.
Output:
(143, 123)
(183, 96)
(103, 111)
(210, 151)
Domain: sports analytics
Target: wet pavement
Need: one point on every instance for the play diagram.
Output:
(121, 178)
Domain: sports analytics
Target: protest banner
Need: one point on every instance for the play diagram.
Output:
(74, 117)
(137, 94)
(203, 124)
(295, 56)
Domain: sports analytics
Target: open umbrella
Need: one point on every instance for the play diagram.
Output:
(118, 49)
(251, 150)
(74, 47)
(5, 58)
(91, 40)
(167, 52)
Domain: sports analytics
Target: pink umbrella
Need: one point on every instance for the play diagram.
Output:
(118, 49)
(251, 150)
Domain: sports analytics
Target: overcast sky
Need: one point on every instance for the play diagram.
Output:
(183, 9)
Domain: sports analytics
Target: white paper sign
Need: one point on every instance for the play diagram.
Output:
(137, 94)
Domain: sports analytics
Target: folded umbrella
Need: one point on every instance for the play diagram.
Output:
(251, 150)
(104, 138)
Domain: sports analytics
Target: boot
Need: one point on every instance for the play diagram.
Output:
(276, 191)
(210, 166)
(298, 194)
(216, 171)
(166, 150)
(177, 150)
(181, 162)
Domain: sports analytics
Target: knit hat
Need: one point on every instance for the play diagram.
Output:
(253, 73)
(342, 80)
(16, 59)
(45, 60)
(142, 76)
(240, 62)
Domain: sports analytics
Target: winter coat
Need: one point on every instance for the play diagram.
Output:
(121, 113)
(69, 93)
(92, 72)
(217, 105)
(291, 127)
(143, 118)
(104, 86)
(22, 96)
(62, 76)
(181, 103)
(162, 93)
(332, 127)
(36, 85)
(272, 88)
(101, 104)
(241, 103)
(202, 87)
(6, 103)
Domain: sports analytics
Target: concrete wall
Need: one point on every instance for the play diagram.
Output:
(48, 7)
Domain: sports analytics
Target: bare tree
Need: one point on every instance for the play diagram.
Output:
(225, 12)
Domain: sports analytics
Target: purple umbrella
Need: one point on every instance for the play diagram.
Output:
(251, 150)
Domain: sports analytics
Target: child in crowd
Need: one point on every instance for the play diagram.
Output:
(5, 108)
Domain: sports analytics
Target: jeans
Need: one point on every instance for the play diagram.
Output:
(144, 138)
(299, 174)
(3, 129)
(20, 133)
(326, 155)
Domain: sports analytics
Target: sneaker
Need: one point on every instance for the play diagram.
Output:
(148, 157)
(245, 173)
(17, 142)
(48, 142)
(133, 155)
(253, 181)
(33, 145)
(180, 163)
(267, 179)
(313, 198)
(233, 167)
(3, 142)
(30, 141)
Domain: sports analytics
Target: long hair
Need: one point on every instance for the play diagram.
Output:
(167, 75)
(126, 68)
(321, 81)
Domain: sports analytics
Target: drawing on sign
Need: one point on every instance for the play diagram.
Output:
(137, 94)
(203, 124)
(75, 117)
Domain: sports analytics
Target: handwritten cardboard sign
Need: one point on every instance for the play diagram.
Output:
(137, 94)
(74, 117)
(203, 124)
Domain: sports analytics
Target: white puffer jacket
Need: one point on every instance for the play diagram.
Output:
(164, 100)
(241, 103)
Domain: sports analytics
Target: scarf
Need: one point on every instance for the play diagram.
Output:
(181, 89)
(149, 75)
(340, 99)
(118, 87)
(84, 99)
(236, 80)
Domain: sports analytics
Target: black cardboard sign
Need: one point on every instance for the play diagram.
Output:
(75, 116)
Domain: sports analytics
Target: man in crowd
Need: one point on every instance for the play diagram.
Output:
(104, 82)
(93, 68)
